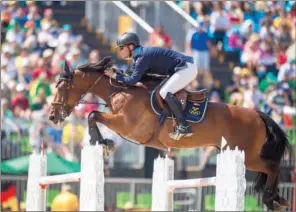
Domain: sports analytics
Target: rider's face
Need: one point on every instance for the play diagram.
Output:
(124, 51)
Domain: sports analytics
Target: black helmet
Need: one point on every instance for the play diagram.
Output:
(128, 38)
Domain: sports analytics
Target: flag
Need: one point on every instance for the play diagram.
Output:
(8, 197)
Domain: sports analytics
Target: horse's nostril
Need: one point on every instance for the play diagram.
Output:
(51, 117)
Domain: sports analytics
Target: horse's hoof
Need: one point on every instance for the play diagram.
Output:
(105, 151)
(92, 142)
(284, 203)
(276, 206)
(110, 145)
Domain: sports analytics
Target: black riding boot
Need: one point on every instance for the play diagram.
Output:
(182, 129)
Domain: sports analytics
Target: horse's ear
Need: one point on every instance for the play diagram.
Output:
(66, 73)
(66, 67)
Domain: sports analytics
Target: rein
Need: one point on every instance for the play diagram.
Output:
(81, 101)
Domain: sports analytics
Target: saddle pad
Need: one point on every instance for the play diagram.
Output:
(194, 112)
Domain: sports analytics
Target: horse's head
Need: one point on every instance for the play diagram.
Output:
(63, 101)
(72, 85)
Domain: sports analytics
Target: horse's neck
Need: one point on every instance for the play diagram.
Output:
(102, 88)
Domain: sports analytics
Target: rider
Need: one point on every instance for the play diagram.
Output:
(161, 61)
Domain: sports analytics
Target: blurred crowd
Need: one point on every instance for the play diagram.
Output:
(33, 47)
(258, 41)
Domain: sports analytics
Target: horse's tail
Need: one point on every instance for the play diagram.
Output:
(273, 149)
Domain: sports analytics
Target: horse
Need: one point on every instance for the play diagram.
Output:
(134, 117)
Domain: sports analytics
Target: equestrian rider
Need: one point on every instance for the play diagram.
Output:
(161, 61)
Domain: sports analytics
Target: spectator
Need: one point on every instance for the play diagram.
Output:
(76, 58)
(235, 14)
(24, 75)
(7, 55)
(276, 101)
(94, 56)
(198, 44)
(252, 96)
(219, 22)
(34, 15)
(41, 68)
(267, 55)
(78, 43)
(66, 200)
(215, 97)
(66, 37)
(73, 133)
(15, 34)
(20, 98)
(251, 52)
(287, 71)
(282, 19)
(20, 17)
(39, 90)
(247, 29)
(283, 36)
(160, 38)
(48, 19)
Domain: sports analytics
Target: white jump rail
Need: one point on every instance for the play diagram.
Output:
(134, 16)
(63, 178)
(230, 182)
(174, 184)
(91, 180)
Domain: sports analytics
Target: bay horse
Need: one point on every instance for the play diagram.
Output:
(262, 140)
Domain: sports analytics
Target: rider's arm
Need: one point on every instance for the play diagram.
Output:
(138, 69)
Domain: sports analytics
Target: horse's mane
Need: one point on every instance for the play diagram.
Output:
(106, 63)
(102, 65)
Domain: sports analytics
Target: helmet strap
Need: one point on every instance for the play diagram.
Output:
(130, 52)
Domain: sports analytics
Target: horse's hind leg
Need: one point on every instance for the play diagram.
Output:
(271, 196)
(281, 200)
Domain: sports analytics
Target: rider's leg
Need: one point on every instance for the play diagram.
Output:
(177, 82)
(183, 128)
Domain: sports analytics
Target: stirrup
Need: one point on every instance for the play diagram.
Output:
(177, 135)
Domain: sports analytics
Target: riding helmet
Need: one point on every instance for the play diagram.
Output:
(128, 38)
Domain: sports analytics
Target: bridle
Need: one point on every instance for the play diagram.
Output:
(65, 109)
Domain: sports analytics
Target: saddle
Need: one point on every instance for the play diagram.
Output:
(183, 96)
(194, 104)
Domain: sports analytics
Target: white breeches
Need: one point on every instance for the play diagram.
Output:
(179, 80)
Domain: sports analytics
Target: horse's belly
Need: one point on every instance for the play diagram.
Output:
(143, 130)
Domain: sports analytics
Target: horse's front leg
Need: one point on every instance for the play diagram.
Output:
(111, 121)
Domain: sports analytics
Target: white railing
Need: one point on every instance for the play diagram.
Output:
(187, 199)
(180, 11)
(134, 16)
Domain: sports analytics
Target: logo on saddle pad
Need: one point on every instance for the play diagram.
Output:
(194, 110)
(194, 105)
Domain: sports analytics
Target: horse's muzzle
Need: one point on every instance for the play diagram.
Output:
(54, 116)
(51, 117)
